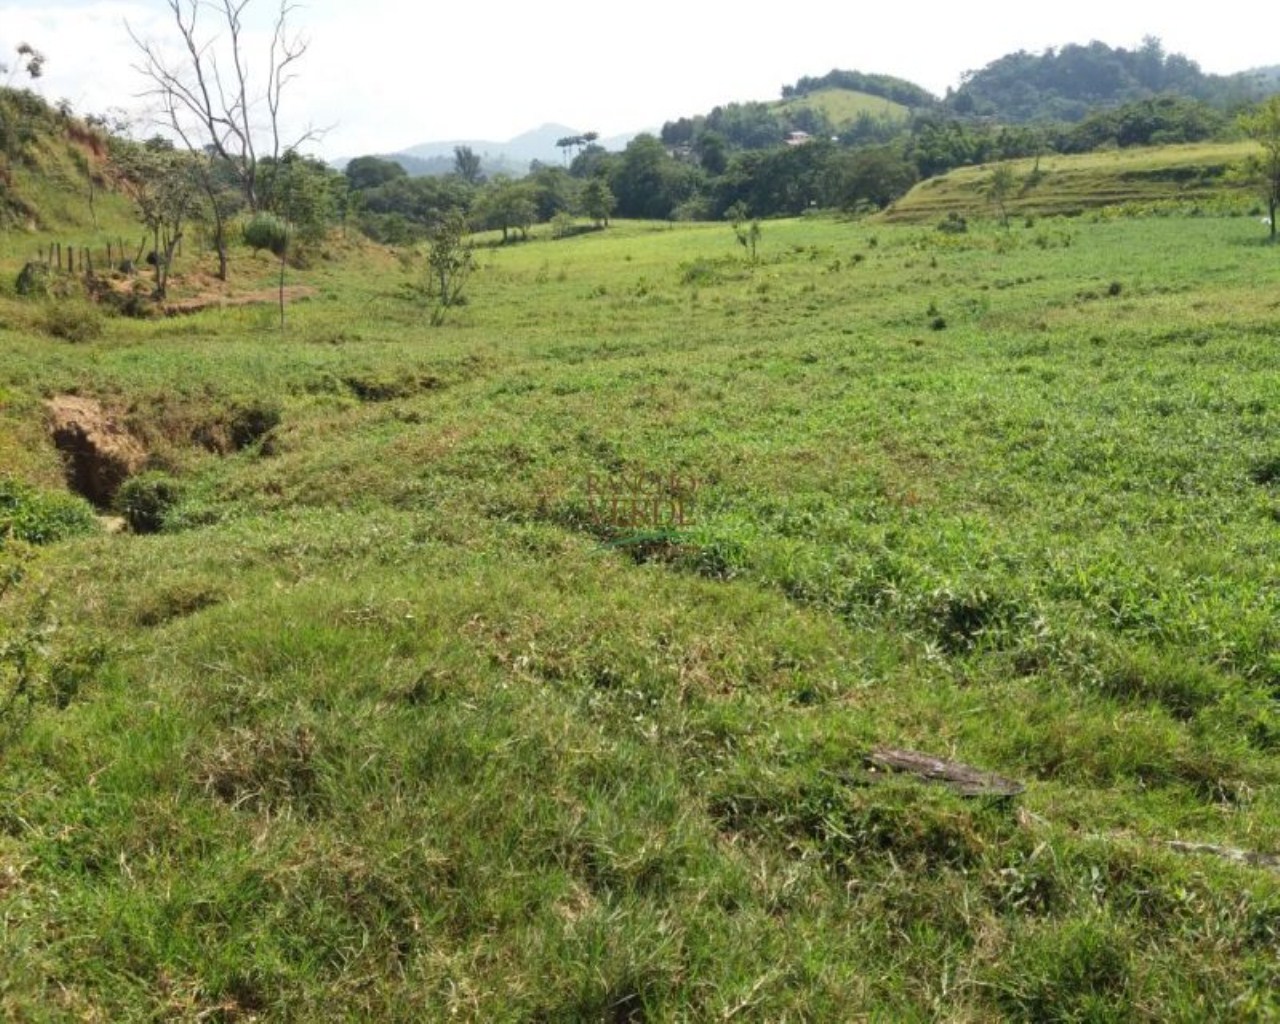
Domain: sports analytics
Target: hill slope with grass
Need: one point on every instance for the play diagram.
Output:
(1190, 175)
(55, 170)
(395, 719)
(843, 107)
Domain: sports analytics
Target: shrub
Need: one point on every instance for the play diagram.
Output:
(267, 231)
(699, 271)
(145, 501)
(562, 225)
(38, 517)
(33, 280)
(72, 320)
(696, 208)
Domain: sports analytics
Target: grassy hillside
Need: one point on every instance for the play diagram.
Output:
(1072, 184)
(843, 106)
(54, 170)
(383, 726)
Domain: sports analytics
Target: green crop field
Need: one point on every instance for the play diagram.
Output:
(843, 106)
(1186, 176)
(385, 724)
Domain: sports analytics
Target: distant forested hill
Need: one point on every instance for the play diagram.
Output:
(1068, 83)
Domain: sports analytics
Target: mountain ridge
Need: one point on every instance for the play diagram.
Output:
(511, 156)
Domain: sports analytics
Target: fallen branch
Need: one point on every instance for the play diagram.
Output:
(962, 778)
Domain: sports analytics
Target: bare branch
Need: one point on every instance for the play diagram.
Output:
(206, 95)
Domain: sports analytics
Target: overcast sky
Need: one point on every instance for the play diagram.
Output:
(383, 75)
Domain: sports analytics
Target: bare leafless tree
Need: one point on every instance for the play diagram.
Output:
(207, 95)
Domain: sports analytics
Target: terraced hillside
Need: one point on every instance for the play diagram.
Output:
(1069, 185)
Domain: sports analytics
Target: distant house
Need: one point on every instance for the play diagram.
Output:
(799, 138)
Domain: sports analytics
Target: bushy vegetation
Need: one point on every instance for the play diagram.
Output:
(1070, 82)
(72, 318)
(146, 500)
(41, 517)
(266, 231)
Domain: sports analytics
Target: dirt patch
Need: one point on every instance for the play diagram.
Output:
(197, 303)
(99, 454)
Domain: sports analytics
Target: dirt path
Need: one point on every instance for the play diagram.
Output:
(292, 293)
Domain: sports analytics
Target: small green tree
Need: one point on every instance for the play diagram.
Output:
(450, 260)
(1000, 189)
(598, 201)
(747, 234)
(222, 200)
(1262, 124)
(553, 190)
(562, 224)
(507, 205)
(267, 231)
(167, 193)
(304, 193)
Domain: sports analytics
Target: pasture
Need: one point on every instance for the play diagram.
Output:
(381, 726)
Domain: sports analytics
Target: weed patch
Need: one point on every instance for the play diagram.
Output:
(266, 768)
(1266, 472)
(175, 602)
(41, 517)
(72, 320)
(146, 500)
(379, 388)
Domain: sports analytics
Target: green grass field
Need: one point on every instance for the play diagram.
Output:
(843, 106)
(381, 727)
(1142, 178)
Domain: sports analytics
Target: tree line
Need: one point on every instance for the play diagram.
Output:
(1071, 82)
(218, 166)
(702, 168)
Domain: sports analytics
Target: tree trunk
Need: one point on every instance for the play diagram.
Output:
(164, 262)
(220, 241)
